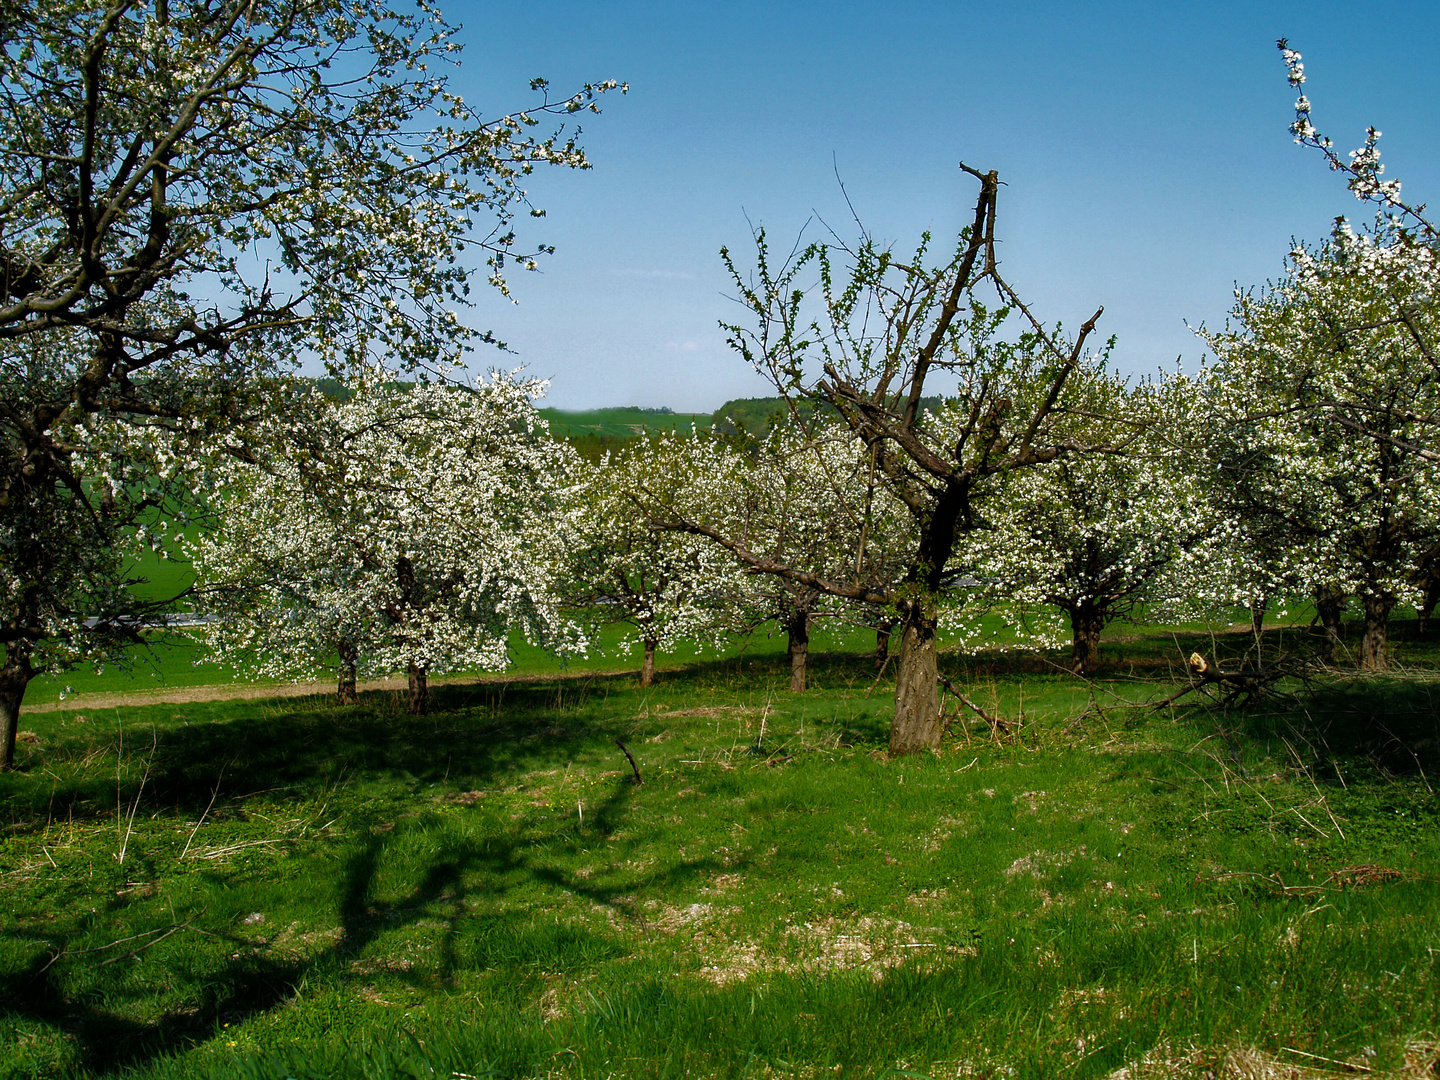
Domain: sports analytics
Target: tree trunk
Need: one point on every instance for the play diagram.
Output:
(1086, 622)
(917, 684)
(1427, 606)
(1257, 616)
(1329, 603)
(797, 628)
(419, 702)
(647, 668)
(882, 647)
(345, 692)
(15, 676)
(1377, 618)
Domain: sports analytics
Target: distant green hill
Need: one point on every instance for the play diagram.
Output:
(753, 416)
(620, 423)
(756, 416)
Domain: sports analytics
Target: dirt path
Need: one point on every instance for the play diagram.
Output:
(239, 691)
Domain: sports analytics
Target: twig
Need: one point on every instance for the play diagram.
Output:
(130, 820)
(1349, 1066)
(163, 931)
(631, 758)
(1324, 804)
(142, 948)
(217, 852)
(880, 674)
(190, 839)
(1242, 687)
(997, 724)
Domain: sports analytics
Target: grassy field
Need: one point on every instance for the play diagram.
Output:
(286, 889)
(179, 661)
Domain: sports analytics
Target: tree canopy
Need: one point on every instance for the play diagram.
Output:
(196, 196)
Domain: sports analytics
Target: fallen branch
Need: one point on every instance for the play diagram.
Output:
(996, 722)
(163, 932)
(1250, 684)
(630, 758)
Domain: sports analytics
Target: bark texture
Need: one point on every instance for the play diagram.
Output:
(15, 676)
(418, 703)
(882, 647)
(1329, 603)
(345, 692)
(797, 628)
(647, 667)
(1086, 622)
(917, 686)
(1431, 582)
(1257, 617)
(1377, 626)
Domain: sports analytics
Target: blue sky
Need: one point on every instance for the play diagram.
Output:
(1144, 146)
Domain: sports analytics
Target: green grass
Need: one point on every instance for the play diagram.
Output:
(179, 659)
(316, 892)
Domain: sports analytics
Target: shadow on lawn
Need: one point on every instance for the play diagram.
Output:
(1391, 724)
(212, 751)
(296, 752)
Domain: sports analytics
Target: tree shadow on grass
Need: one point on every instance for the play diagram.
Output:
(291, 754)
(459, 877)
(244, 748)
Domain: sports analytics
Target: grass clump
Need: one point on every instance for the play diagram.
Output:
(273, 889)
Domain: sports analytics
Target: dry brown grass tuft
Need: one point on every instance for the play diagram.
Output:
(1163, 1062)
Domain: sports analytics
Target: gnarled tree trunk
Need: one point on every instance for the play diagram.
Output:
(345, 692)
(797, 630)
(1377, 619)
(419, 700)
(917, 683)
(15, 676)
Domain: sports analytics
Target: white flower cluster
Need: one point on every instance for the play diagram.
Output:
(404, 526)
(666, 586)
(1363, 166)
(1323, 439)
(1093, 537)
(802, 518)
